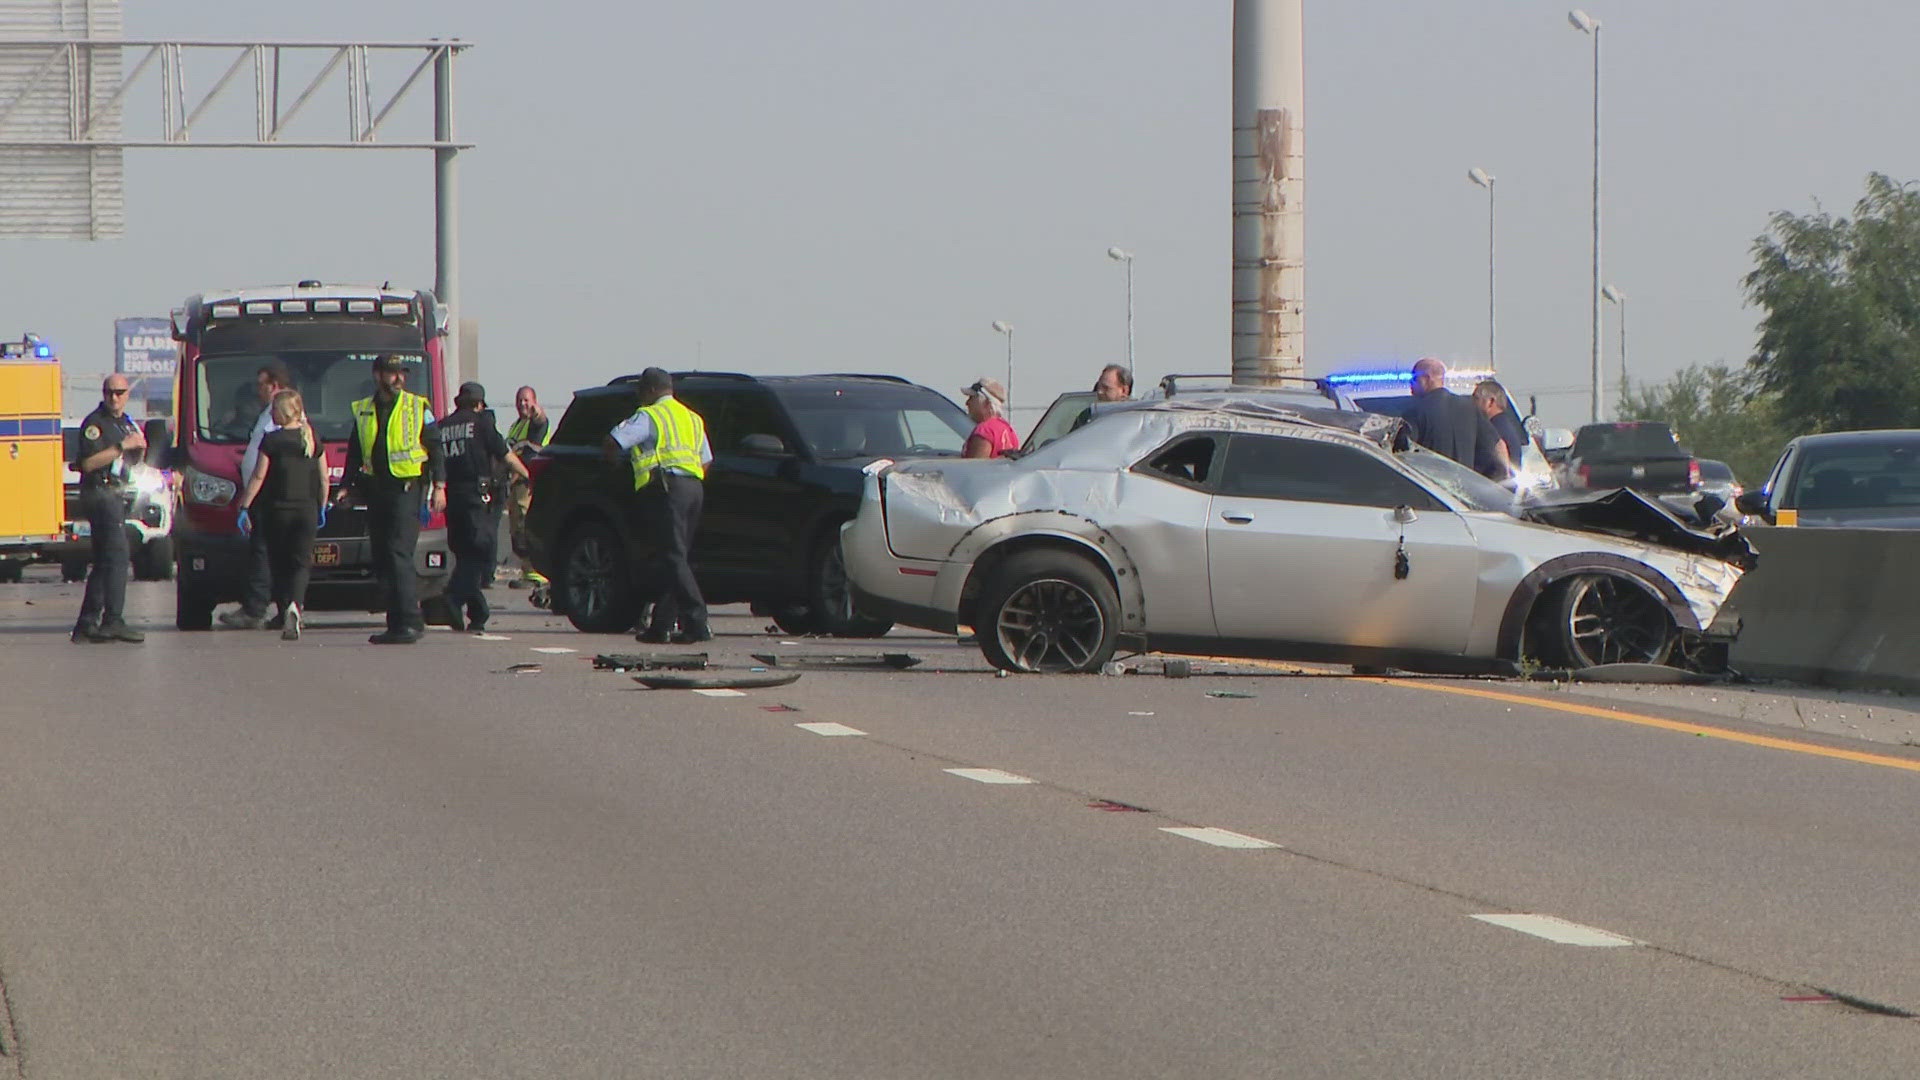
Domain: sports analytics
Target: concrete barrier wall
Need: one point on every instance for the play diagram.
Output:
(1832, 607)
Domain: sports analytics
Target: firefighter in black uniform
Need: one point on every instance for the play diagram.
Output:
(110, 446)
(393, 460)
(472, 448)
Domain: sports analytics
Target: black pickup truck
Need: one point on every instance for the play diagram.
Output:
(1638, 454)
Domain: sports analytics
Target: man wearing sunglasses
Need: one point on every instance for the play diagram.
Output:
(110, 446)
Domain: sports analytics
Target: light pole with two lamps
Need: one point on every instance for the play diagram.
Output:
(1485, 179)
(1122, 255)
(1006, 328)
(1587, 24)
(1619, 300)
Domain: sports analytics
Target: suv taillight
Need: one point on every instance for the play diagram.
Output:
(536, 464)
(1693, 473)
(1586, 475)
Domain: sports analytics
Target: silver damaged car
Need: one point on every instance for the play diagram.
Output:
(1232, 528)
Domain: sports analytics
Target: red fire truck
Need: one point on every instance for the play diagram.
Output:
(327, 336)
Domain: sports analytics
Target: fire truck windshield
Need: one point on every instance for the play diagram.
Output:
(329, 382)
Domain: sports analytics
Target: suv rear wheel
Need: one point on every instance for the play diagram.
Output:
(594, 580)
(829, 605)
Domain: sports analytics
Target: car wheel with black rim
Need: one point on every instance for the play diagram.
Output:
(1598, 619)
(595, 579)
(830, 597)
(1049, 612)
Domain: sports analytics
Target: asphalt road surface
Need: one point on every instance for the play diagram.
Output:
(228, 856)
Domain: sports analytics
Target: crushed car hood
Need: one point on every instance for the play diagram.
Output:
(1632, 516)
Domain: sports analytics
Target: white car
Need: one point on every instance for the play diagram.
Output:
(1238, 529)
(149, 522)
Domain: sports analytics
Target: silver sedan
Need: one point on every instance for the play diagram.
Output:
(1238, 529)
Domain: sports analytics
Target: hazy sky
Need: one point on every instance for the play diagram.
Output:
(864, 185)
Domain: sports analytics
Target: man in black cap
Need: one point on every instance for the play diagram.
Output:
(471, 446)
(394, 462)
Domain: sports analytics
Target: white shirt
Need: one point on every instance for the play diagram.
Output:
(637, 431)
(251, 458)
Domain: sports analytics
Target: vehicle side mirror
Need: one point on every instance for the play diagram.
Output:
(159, 442)
(767, 446)
(1753, 503)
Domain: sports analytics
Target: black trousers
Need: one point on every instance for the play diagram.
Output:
(393, 526)
(289, 531)
(672, 505)
(259, 573)
(106, 597)
(471, 528)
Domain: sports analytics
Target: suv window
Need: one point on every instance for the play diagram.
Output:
(1306, 470)
(732, 413)
(591, 416)
(843, 420)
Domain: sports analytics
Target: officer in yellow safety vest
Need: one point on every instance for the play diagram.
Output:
(667, 443)
(527, 437)
(392, 461)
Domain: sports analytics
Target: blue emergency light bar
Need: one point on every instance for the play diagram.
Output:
(1402, 375)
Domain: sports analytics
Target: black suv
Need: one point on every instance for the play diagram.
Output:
(787, 458)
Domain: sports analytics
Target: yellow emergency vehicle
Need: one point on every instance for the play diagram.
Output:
(32, 503)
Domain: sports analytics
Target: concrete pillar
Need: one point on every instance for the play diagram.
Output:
(1269, 240)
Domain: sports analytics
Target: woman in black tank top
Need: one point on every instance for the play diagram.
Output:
(288, 488)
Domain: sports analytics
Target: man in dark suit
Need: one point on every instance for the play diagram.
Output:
(1448, 424)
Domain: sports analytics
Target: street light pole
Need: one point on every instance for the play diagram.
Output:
(1587, 24)
(1620, 300)
(1126, 257)
(1007, 328)
(1485, 179)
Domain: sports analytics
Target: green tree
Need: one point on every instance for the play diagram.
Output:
(1839, 347)
(1717, 413)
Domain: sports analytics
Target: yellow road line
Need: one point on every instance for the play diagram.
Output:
(1683, 727)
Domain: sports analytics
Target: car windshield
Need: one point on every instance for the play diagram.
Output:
(1468, 487)
(1859, 476)
(329, 383)
(879, 420)
(1060, 418)
(1716, 470)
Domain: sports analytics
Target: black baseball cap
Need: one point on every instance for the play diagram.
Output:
(389, 362)
(472, 391)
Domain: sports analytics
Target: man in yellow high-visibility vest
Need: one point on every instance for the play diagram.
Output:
(667, 443)
(394, 462)
(529, 434)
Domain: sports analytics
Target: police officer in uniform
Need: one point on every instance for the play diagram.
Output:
(472, 448)
(667, 443)
(394, 461)
(110, 446)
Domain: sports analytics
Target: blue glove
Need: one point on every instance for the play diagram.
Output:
(245, 523)
(323, 516)
(426, 510)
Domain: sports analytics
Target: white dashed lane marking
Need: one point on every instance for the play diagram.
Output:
(829, 728)
(990, 776)
(1558, 930)
(1219, 837)
(491, 637)
(720, 692)
(552, 649)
